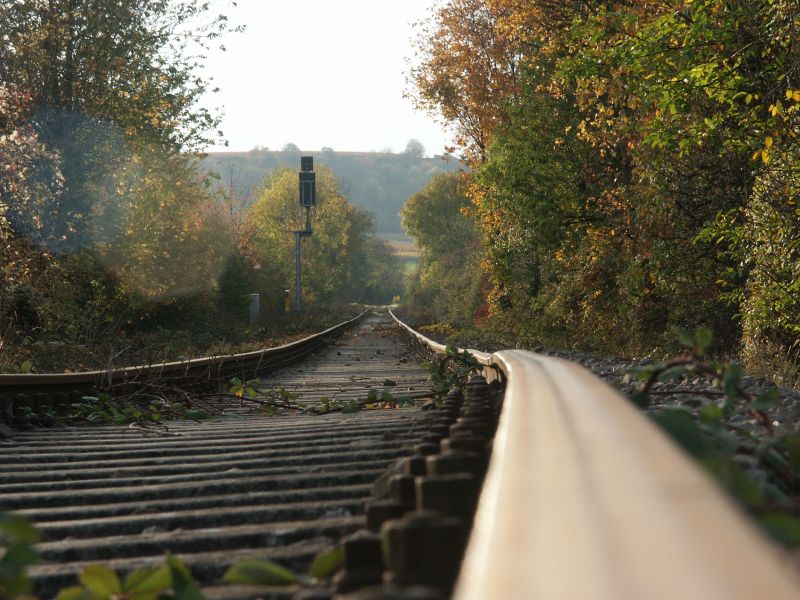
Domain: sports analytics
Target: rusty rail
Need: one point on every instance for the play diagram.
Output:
(585, 498)
(56, 388)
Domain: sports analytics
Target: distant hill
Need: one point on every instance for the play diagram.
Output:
(378, 182)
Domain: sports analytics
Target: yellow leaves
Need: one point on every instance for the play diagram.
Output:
(793, 95)
(763, 154)
(776, 109)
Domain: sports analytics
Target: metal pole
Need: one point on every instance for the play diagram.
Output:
(298, 303)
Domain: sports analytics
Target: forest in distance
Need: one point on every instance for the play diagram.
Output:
(378, 182)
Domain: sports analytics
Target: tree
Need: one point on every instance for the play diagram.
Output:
(466, 71)
(30, 179)
(106, 79)
(448, 280)
(339, 259)
(634, 164)
(112, 218)
(30, 184)
(128, 62)
(383, 279)
(414, 149)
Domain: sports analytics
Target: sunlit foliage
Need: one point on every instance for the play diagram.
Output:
(106, 224)
(447, 282)
(635, 164)
(342, 261)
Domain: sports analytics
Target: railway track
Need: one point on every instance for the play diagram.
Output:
(34, 391)
(242, 486)
(583, 497)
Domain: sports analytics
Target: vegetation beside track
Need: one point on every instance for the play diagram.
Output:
(180, 341)
(634, 167)
(740, 429)
(115, 245)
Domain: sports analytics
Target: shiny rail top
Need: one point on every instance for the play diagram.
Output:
(586, 499)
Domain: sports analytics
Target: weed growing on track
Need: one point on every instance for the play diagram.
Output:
(142, 410)
(759, 469)
(17, 537)
(268, 573)
(171, 580)
(449, 370)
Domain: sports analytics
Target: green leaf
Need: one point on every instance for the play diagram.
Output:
(642, 373)
(18, 529)
(791, 443)
(723, 439)
(640, 399)
(326, 563)
(710, 413)
(766, 400)
(26, 367)
(729, 406)
(703, 337)
(372, 395)
(259, 572)
(182, 583)
(731, 379)
(680, 424)
(352, 407)
(735, 480)
(17, 557)
(74, 592)
(683, 336)
(101, 581)
(672, 373)
(782, 527)
(148, 580)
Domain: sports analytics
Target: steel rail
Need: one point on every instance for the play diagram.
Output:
(41, 388)
(585, 498)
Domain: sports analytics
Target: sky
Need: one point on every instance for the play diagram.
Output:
(321, 73)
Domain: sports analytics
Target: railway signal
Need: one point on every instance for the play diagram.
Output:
(308, 199)
(308, 183)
